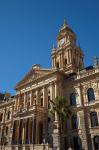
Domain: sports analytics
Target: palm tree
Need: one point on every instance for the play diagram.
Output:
(61, 108)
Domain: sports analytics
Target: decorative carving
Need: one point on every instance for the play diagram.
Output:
(34, 76)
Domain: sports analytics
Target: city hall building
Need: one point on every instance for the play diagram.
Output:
(24, 118)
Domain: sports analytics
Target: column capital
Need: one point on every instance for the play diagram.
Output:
(52, 83)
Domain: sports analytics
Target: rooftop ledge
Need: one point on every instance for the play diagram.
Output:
(85, 73)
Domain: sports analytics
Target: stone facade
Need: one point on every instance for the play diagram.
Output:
(24, 118)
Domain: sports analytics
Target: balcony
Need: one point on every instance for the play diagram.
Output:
(29, 110)
(94, 129)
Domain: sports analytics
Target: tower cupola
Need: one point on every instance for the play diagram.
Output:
(65, 35)
(67, 56)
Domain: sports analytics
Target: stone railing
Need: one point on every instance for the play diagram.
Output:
(25, 147)
(86, 73)
(35, 108)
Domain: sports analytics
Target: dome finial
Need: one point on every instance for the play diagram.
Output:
(65, 22)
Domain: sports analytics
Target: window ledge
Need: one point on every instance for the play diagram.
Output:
(95, 127)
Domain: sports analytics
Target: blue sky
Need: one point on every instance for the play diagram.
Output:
(28, 29)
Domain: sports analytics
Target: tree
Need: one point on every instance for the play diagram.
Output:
(61, 108)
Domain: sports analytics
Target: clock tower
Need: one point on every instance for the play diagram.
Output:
(67, 56)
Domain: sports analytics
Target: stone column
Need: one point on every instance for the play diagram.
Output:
(25, 125)
(20, 133)
(30, 98)
(52, 62)
(52, 92)
(26, 132)
(55, 62)
(31, 130)
(56, 94)
(70, 55)
(24, 128)
(62, 58)
(56, 89)
(34, 131)
(25, 100)
(18, 102)
(81, 96)
(78, 95)
(37, 97)
(55, 133)
(23, 132)
(60, 62)
(15, 132)
(45, 96)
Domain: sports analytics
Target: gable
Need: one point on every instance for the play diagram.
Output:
(32, 75)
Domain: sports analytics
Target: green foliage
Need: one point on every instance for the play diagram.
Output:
(60, 106)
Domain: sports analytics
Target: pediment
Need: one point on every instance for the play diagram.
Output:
(32, 75)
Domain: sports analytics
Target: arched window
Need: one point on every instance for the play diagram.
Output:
(93, 119)
(74, 122)
(90, 94)
(73, 99)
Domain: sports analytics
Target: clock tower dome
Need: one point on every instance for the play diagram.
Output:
(67, 56)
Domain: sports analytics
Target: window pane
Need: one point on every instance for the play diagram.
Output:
(94, 119)
(74, 122)
(90, 94)
(73, 99)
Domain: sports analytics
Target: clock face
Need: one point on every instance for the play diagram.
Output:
(62, 41)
